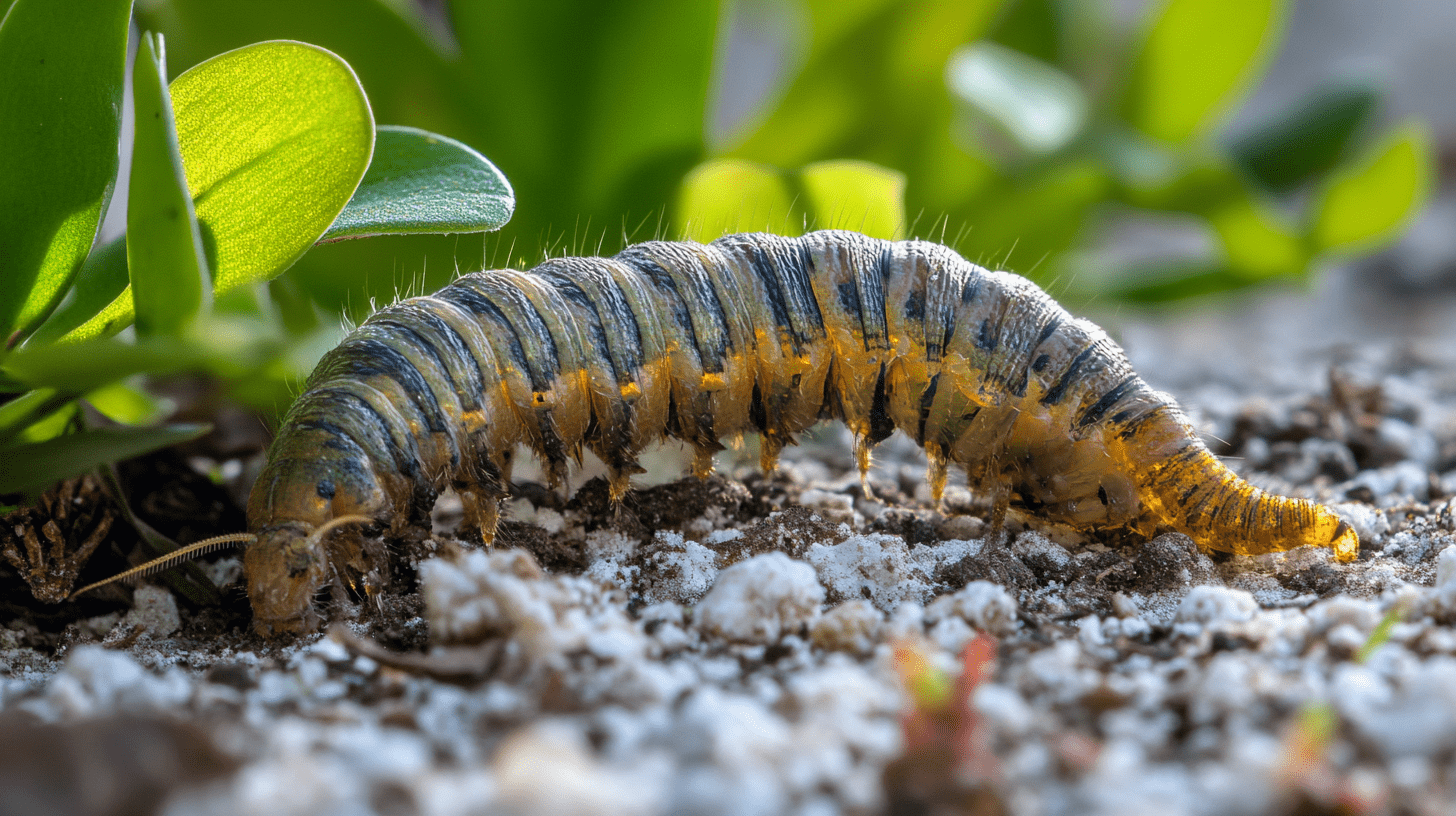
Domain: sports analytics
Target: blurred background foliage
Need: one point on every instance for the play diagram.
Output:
(1018, 129)
(1049, 137)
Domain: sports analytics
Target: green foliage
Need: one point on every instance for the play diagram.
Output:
(421, 183)
(1013, 128)
(165, 256)
(731, 195)
(594, 110)
(239, 167)
(60, 118)
(1029, 123)
(1196, 58)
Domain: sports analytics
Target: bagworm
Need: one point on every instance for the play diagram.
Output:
(751, 333)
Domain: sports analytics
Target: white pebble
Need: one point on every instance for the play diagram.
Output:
(875, 565)
(1214, 604)
(761, 600)
(982, 604)
(155, 610)
(853, 626)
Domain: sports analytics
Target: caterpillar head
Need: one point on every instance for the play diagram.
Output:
(285, 568)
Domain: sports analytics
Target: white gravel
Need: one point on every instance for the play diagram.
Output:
(695, 672)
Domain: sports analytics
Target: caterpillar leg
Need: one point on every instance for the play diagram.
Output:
(482, 512)
(1000, 508)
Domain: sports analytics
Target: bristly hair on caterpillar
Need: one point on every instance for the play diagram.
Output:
(751, 333)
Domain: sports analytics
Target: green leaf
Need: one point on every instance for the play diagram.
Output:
(1033, 103)
(1163, 282)
(1308, 139)
(63, 64)
(872, 85)
(595, 110)
(1258, 243)
(128, 405)
(725, 196)
(421, 182)
(275, 138)
(164, 246)
(95, 299)
(1197, 58)
(76, 368)
(29, 409)
(413, 77)
(38, 465)
(67, 420)
(855, 195)
(1367, 202)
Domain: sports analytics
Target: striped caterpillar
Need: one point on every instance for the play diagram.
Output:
(750, 333)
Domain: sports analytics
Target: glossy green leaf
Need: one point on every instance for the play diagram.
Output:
(421, 182)
(1308, 139)
(1198, 56)
(413, 77)
(1035, 104)
(1366, 203)
(855, 195)
(168, 272)
(63, 63)
(37, 466)
(275, 138)
(725, 196)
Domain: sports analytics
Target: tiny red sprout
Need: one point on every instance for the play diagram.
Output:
(1306, 776)
(948, 761)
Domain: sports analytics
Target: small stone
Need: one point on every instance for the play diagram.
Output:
(155, 610)
(1213, 604)
(761, 600)
(853, 626)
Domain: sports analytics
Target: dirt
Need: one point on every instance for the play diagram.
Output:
(743, 644)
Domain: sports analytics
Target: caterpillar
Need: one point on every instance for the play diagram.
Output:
(751, 333)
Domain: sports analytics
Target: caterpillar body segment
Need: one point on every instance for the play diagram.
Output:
(752, 333)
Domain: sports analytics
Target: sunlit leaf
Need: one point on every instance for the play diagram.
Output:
(1199, 55)
(729, 195)
(1035, 104)
(62, 63)
(1366, 202)
(169, 277)
(412, 75)
(421, 182)
(855, 195)
(275, 138)
(1257, 241)
(38, 465)
(127, 404)
(98, 299)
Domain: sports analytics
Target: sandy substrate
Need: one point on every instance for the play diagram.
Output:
(738, 646)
